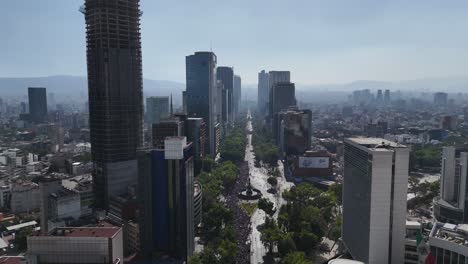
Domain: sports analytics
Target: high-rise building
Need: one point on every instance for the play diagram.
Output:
(47, 185)
(292, 129)
(226, 76)
(451, 205)
(379, 97)
(167, 128)
(37, 104)
(166, 188)
(285, 96)
(374, 199)
(157, 109)
(263, 92)
(440, 99)
(195, 131)
(387, 96)
(275, 77)
(237, 94)
(115, 93)
(202, 91)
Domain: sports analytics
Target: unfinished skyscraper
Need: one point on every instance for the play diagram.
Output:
(115, 93)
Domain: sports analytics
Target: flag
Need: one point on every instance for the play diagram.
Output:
(419, 237)
(430, 259)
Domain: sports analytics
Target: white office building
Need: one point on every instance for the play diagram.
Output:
(374, 200)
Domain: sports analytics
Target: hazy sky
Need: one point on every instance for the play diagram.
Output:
(327, 41)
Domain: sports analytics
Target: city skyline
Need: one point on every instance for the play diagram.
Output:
(323, 42)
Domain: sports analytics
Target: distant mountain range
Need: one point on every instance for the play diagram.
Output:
(65, 87)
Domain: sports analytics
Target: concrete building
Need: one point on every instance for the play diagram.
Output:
(202, 91)
(451, 206)
(197, 203)
(226, 76)
(448, 243)
(37, 104)
(91, 245)
(412, 252)
(64, 204)
(293, 130)
(284, 96)
(195, 131)
(115, 91)
(374, 199)
(379, 97)
(157, 109)
(387, 97)
(5, 197)
(166, 187)
(167, 128)
(237, 95)
(275, 77)
(47, 185)
(449, 122)
(313, 164)
(440, 99)
(25, 197)
(263, 92)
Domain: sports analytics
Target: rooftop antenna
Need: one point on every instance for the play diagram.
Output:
(211, 46)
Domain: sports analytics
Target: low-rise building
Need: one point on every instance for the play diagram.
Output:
(449, 243)
(25, 197)
(77, 245)
(64, 204)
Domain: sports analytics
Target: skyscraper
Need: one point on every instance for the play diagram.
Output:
(37, 104)
(166, 192)
(237, 93)
(275, 77)
(379, 96)
(374, 199)
(226, 76)
(285, 96)
(115, 93)
(202, 91)
(387, 96)
(451, 205)
(440, 99)
(263, 91)
(157, 109)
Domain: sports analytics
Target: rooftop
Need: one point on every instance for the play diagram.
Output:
(452, 233)
(108, 232)
(375, 143)
(11, 259)
(19, 226)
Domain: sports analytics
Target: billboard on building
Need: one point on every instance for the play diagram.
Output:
(314, 162)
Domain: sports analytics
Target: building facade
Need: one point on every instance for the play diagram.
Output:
(293, 131)
(374, 199)
(93, 245)
(166, 186)
(447, 243)
(37, 104)
(157, 109)
(201, 92)
(115, 90)
(237, 95)
(263, 92)
(451, 205)
(226, 76)
(275, 77)
(284, 96)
